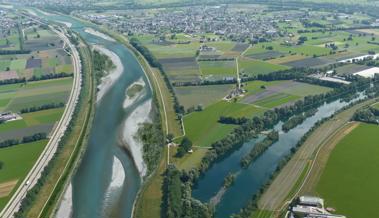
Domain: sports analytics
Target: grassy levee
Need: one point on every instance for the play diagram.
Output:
(64, 163)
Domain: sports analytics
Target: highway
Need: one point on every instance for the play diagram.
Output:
(47, 154)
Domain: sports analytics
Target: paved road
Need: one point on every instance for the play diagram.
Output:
(275, 196)
(50, 149)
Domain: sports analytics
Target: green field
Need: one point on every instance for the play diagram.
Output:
(276, 100)
(307, 50)
(17, 161)
(218, 68)
(349, 182)
(18, 96)
(203, 128)
(255, 67)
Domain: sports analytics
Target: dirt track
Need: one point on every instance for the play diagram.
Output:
(275, 196)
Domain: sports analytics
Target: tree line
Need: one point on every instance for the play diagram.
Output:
(35, 78)
(25, 139)
(42, 107)
(179, 109)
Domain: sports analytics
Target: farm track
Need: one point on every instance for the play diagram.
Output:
(48, 153)
(283, 184)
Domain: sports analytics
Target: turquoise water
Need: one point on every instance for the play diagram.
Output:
(91, 195)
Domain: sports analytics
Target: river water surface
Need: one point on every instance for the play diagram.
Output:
(249, 181)
(107, 180)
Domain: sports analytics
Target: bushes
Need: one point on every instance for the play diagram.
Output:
(368, 115)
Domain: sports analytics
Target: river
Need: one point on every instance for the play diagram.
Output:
(249, 181)
(107, 180)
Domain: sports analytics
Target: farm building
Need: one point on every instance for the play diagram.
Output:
(369, 73)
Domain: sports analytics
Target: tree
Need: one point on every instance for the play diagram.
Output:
(185, 146)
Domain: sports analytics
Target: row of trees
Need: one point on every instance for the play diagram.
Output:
(42, 107)
(259, 148)
(35, 78)
(179, 109)
(25, 139)
(233, 120)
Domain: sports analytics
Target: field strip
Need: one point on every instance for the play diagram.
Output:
(7, 187)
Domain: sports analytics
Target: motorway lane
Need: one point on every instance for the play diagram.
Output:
(50, 149)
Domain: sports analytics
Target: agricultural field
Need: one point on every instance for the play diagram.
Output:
(15, 97)
(201, 95)
(350, 167)
(17, 161)
(248, 67)
(273, 94)
(33, 93)
(218, 69)
(46, 56)
(203, 127)
(350, 69)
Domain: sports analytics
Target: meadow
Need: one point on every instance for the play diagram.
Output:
(201, 95)
(203, 127)
(348, 183)
(218, 68)
(17, 161)
(255, 67)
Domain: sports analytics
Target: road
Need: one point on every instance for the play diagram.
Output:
(275, 197)
(47, 154)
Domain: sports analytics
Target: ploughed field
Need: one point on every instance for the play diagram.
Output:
(35, 86)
